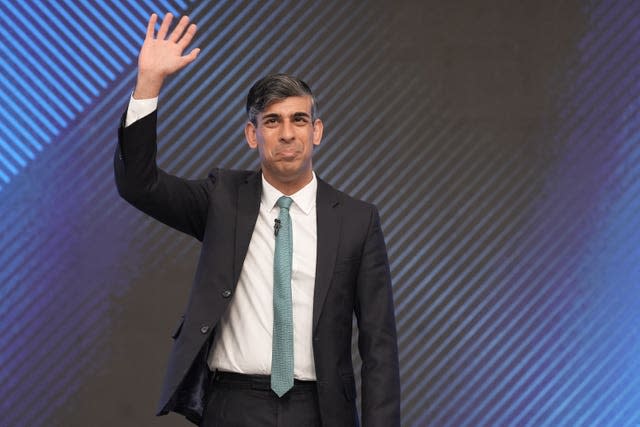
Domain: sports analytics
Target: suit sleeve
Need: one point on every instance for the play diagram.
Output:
(377, 340)
(179, 203)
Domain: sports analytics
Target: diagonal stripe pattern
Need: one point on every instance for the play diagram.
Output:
(514, 256)
(70, 53)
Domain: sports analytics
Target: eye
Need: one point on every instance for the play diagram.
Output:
(301, 120)
(270, 122)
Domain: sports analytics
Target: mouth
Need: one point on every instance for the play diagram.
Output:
(287, 154)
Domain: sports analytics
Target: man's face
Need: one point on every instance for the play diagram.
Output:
(284, 136)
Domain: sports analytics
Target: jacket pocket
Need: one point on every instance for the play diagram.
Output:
(178, 329)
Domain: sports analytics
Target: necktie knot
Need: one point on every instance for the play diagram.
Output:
(284, 202)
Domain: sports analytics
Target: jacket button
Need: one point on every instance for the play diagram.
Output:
(226, 293)
(204, 329)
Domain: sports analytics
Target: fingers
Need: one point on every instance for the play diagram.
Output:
(188, 59)
(164, 27)
(178, 35)
(151, 25)
(193, 54)
(188, 36)
(177, 32)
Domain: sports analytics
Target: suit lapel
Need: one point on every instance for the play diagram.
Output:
(328, 220)
(328, 232)
(248, 207)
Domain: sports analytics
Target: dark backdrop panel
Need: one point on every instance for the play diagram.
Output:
(500, 141)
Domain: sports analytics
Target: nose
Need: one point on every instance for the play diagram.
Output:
(286, 131)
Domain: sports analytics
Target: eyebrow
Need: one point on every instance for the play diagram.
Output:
(294, 115)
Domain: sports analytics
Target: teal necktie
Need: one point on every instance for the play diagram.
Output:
(282, 345)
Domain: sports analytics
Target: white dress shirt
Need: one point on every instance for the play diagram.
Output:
(244, 334)
(138, 108)
(243, 343)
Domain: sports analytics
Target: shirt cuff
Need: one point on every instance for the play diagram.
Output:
(139, 108)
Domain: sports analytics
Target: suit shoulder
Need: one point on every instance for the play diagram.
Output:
(349, 202)
(231, 176)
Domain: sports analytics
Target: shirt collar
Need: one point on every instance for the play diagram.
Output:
(305, 198)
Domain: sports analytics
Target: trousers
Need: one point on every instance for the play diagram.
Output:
(238, 400)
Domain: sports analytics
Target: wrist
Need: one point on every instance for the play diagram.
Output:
(147, 86)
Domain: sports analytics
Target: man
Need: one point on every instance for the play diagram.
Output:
(286, 261)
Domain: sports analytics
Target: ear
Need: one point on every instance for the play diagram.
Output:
(318, 127)
(250, 135)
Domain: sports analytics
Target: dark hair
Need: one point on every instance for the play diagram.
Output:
(277, 87)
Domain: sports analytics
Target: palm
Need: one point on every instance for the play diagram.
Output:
(162, 54)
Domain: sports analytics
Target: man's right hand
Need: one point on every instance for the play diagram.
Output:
(161, 56)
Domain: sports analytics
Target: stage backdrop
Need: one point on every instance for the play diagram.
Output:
(500, 140)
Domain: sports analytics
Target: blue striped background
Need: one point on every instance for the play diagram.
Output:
(500, 142)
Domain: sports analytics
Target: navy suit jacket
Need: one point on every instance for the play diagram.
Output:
(352, 276)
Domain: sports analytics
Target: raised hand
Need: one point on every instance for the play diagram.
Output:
(161, 55)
